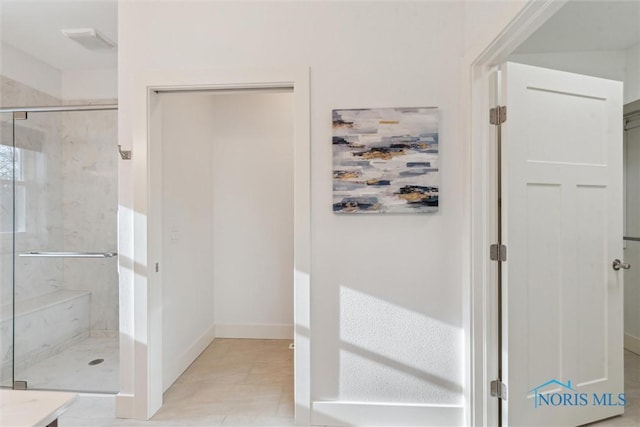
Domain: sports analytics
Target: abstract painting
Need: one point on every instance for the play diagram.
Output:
(385, 160)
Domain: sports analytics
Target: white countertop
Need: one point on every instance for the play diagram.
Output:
(21, 408)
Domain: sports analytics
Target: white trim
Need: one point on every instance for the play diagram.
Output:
(483, 310)
(254, 331)
(125, 405)
(333, 413)
(182, 362)
(531, 17)
(141, 336)
(632, 343)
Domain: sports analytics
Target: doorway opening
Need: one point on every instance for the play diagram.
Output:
(142, 365)
(226, 261)
(542, 36)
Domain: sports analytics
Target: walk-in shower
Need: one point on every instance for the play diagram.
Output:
(58, 243)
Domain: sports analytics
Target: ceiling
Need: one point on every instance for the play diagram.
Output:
(588, 26)
(33, 26)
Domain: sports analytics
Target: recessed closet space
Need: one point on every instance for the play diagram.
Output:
(225, 160)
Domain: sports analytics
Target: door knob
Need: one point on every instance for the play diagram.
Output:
(617, 265)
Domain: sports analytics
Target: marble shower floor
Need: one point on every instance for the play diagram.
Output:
(70, 369)
(234, 382)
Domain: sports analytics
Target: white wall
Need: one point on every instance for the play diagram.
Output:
(252, 214)
(100, 84)
(187, 273)
(363, 55)
(632, 78)
(386, 291)
(484, 20)
(23, 68)
(227, 221)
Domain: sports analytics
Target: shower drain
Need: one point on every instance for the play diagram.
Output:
(96, 362)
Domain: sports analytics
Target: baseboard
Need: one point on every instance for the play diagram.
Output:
(632, 343)
(257, 331)
(336, 413)
(125, 405)
(182, 362)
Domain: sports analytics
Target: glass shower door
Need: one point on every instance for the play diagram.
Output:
(66, 284)
(7, 170)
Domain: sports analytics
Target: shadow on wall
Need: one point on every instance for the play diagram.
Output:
(387, 353)
(137, 268)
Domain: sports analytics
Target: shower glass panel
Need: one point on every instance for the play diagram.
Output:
(7, 170)
(65, 278)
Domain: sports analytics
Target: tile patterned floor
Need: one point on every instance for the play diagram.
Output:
(631, 415)
(234, 382)
(250, 383)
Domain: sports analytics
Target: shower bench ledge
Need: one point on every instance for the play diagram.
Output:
(44, 326)
(35, 304)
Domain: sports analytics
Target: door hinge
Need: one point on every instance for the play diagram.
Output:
(498, 252)
(157, 267)
(499, 389)
(498, 115)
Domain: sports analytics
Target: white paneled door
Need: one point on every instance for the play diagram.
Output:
(562, 224)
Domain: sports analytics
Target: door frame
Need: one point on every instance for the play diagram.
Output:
(483, 201)
(140, 285)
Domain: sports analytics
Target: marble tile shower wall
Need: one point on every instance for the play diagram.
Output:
(38, 192)
(69, 164)
(89, 206)
(41, 176)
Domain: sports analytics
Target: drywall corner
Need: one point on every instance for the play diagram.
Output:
(632, 78)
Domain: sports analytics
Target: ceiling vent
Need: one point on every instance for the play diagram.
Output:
(90, 39)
